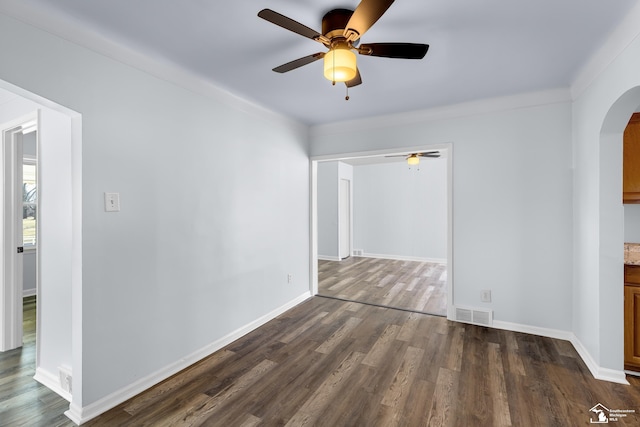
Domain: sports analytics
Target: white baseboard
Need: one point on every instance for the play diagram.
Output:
(52, 382)
(80, 415)
(403, 258)
(328, 258)
(597, 371)
(533, 330)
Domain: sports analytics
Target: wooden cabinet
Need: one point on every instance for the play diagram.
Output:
(631, 162)
(632, 317)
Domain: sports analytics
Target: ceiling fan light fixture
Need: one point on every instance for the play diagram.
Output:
(413, 160)
(340, 65)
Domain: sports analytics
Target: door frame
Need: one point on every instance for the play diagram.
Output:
(349, 218)
(11, 261)
(313, 191)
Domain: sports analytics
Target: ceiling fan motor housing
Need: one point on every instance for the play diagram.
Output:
(335, 21)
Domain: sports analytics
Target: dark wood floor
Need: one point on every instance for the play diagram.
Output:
(333, 363)
(407, 285)
(24, 401)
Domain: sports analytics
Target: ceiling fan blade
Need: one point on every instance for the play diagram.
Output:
(288, 23)
(365, 15)
(395, 50)
(298, 62)
(429, 154)
(357, 80)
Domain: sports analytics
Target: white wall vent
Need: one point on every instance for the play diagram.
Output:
(474, 316)
(358, 252)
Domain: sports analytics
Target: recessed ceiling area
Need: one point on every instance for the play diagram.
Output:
(477, 49)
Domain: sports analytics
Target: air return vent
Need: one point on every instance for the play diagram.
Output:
(474, 316)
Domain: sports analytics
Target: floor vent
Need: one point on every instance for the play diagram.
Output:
(475, 316)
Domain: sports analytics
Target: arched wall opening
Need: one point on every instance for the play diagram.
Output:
(611, 228)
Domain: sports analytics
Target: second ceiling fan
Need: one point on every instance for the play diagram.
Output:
(341, 32)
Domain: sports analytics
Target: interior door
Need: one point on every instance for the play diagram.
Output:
(345, 219)
(12, 260)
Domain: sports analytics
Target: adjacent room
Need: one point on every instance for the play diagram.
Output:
(382, 230)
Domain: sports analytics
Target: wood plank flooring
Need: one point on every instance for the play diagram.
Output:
(407, 285)
(24, 401)
(333, 363)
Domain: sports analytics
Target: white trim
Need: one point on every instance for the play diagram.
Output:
(623, 35)
(328, 258)
(313, 227)
(533, 330)
(403, 258)
(598, 372)
(473, 108)
(52, 382)
(80, 415)
(28, 292)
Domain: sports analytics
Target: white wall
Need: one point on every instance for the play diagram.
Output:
(632, 223)
(512, 198)
(401, 211)
(215, 210)
(328, 183)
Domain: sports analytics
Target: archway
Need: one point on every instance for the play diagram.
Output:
(611, 230)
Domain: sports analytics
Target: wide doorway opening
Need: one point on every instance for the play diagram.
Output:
(397, 226)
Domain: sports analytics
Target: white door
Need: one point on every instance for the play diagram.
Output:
(11, 233)
(345, 219)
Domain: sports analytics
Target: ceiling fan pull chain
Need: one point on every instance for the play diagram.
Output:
(346, 98)
(333, 68)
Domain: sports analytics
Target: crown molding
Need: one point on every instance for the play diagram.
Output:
(613, 46)
(473, 108)
(83, 35)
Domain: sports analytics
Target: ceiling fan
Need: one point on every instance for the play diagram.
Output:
(341, 32)
(413, 159)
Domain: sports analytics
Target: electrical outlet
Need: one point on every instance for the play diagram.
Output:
(485, 295)
(289, 278)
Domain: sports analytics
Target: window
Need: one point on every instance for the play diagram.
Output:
(29, 203)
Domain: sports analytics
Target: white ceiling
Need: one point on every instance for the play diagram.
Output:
(478, 48)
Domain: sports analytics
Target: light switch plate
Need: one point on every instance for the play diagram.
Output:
(112, 202)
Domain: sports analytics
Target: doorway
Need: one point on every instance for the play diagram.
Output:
(391, 276)
(19, 207)
(58, 238)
